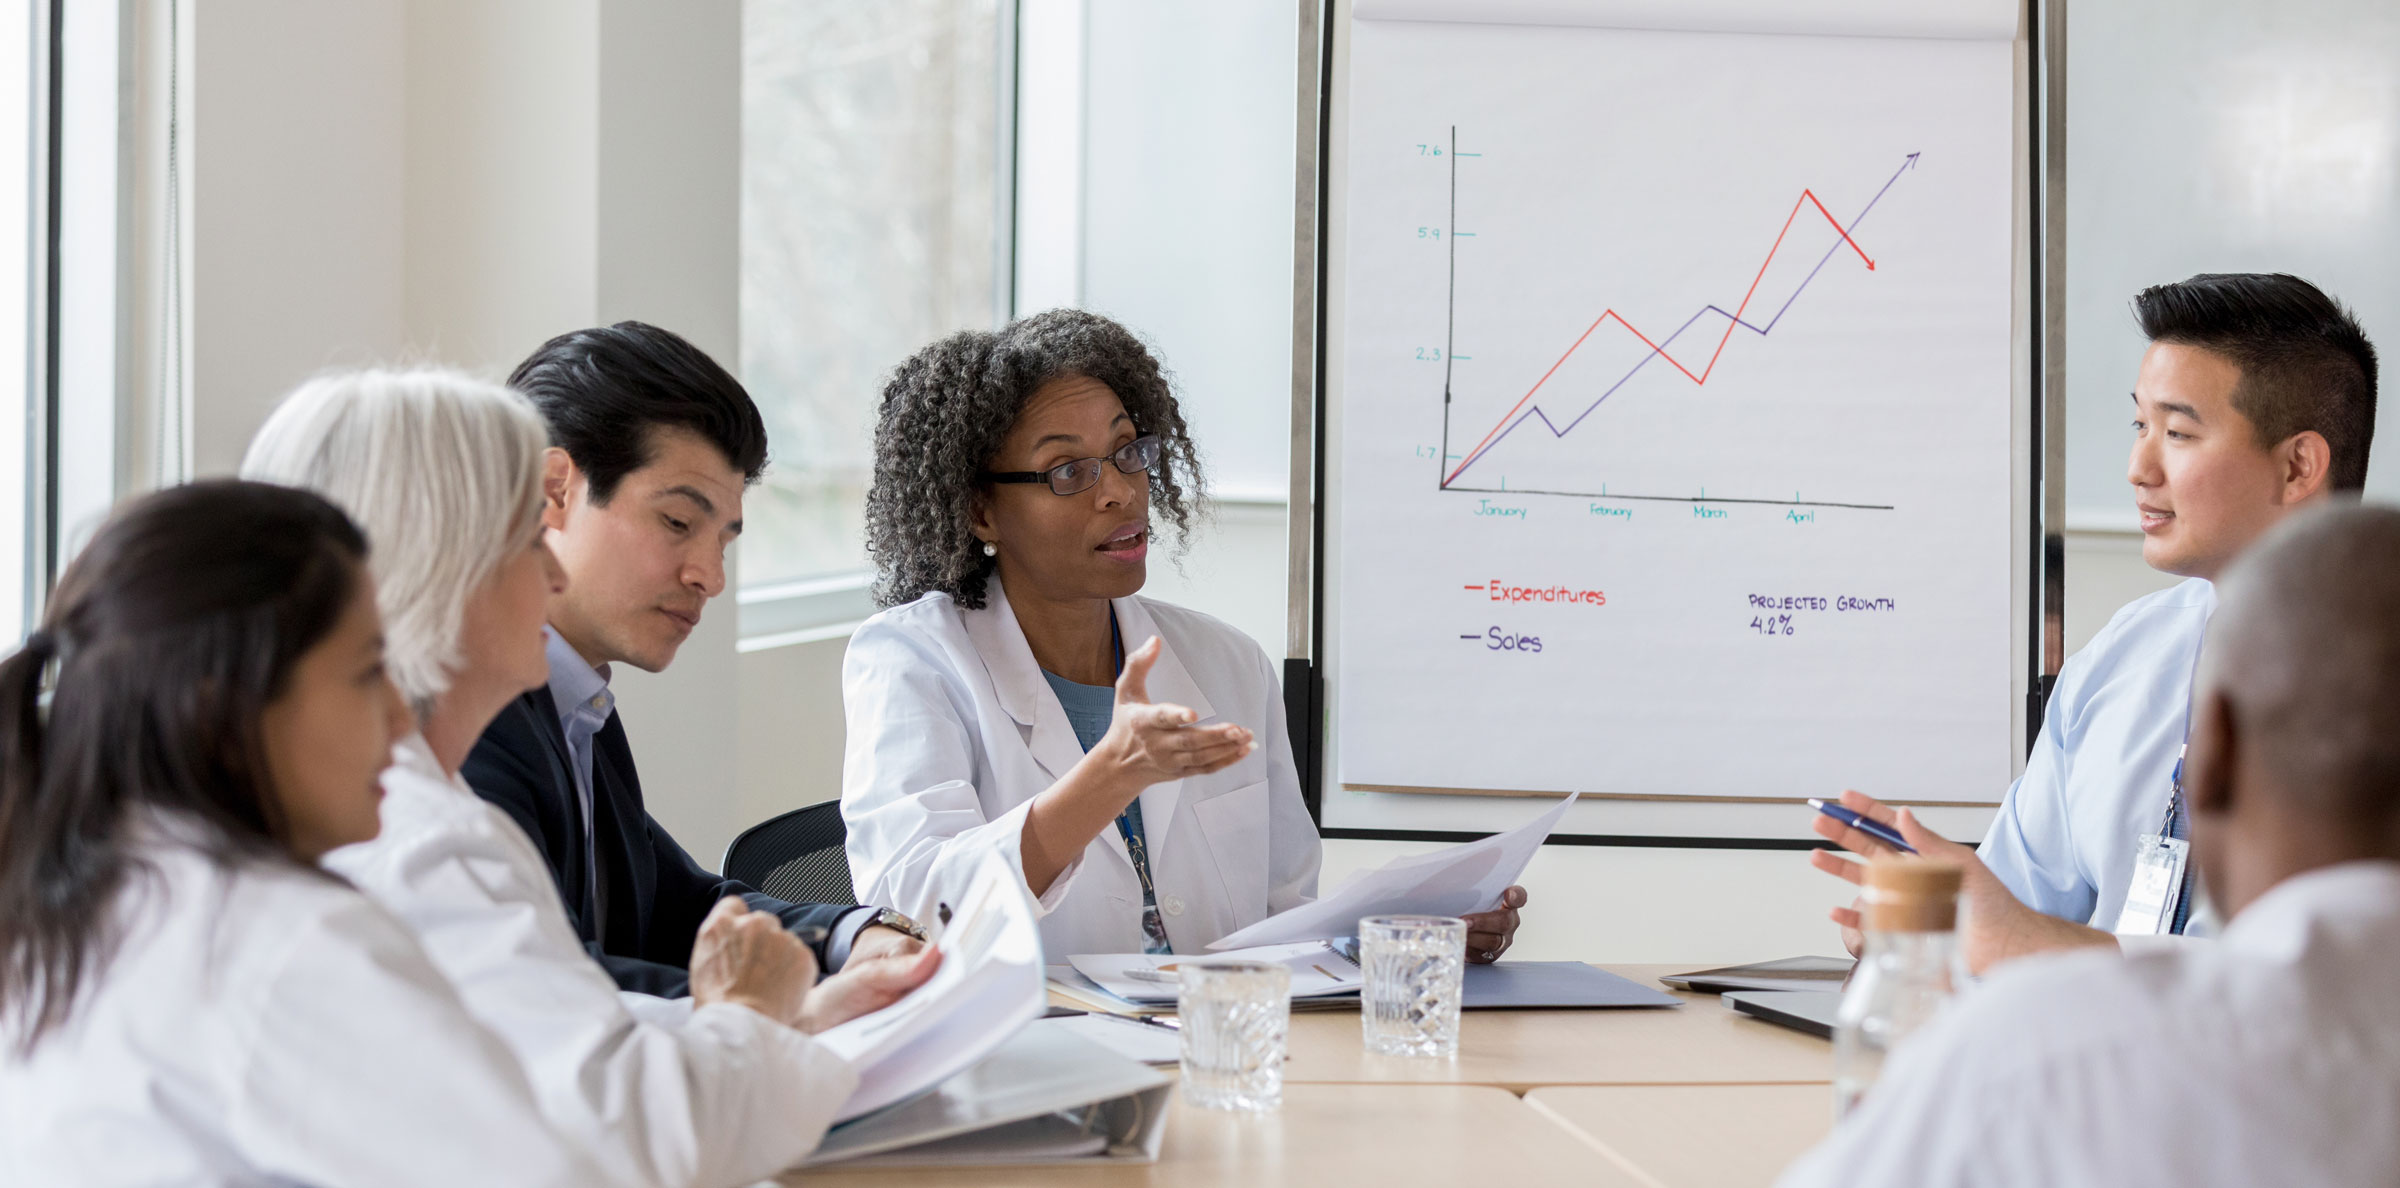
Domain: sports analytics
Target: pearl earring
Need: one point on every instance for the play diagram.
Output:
(990, 549)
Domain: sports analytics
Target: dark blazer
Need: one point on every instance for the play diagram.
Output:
(652, 896)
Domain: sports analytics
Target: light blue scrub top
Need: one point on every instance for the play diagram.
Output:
(2100, 775)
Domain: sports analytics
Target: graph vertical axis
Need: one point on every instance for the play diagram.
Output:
(1450, 313)
(1446, 481)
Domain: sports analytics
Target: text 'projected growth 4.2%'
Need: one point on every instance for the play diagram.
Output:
(1688, 355)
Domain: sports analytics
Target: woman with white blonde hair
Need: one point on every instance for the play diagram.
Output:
(444, 473)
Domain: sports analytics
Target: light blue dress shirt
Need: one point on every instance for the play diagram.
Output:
(2101, 772)
(584, 703)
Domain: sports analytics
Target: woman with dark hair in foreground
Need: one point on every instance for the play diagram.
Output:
(185, 997)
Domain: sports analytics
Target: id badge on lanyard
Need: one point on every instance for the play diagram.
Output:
(2157, 885)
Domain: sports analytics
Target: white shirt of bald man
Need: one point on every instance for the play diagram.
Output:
(2271, 1057)
(268, 1025)
(661, 1092)
(953, 732)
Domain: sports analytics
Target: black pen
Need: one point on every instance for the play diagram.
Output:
(1144, 1020)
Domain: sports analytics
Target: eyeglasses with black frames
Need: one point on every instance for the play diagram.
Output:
(1074, 478)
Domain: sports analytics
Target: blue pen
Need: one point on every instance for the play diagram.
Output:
(1866, 825)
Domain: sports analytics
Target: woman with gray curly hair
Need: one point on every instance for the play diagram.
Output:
(1019, 697)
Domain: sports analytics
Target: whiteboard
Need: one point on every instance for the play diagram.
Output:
(1648, 356)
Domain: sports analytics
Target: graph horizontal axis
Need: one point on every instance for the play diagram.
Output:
(1673, 498)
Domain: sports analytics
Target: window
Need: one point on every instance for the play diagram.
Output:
(874, 220)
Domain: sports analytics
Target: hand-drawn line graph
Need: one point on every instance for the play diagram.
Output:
(1525, 410)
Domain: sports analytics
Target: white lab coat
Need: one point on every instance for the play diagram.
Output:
(665, 1094)
(953, 732)
(265, 1025)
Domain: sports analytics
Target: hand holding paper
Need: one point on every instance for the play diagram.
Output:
(1462, 880)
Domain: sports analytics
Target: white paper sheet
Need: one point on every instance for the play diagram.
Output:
(1464, 878)
(990, 985)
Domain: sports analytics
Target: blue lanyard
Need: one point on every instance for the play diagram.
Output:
(2183, 891)
(1136, 846)
(2175, 780)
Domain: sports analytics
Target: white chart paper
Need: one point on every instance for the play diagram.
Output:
(1675, 420)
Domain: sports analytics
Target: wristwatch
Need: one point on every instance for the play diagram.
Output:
(887, 918)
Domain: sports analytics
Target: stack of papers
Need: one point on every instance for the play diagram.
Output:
(1073, 988)
(989, 986)
(1319, 970)
(1508, 985)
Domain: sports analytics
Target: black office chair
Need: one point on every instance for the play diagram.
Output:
(796, 857)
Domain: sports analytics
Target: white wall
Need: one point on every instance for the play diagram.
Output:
(503, 145)
(2220, 136)
(296, 150)
(457, 180)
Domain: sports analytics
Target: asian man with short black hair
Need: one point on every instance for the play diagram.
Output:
(2255, 399)
(652, 447)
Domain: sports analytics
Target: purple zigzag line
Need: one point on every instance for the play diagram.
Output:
(1552, 426)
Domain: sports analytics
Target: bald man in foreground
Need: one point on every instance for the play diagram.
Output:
(2271, 1057)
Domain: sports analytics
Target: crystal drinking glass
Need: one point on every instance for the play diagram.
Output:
(1236, 1020)
(1413, 966)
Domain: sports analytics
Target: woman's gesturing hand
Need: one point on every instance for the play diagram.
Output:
(745, 956)
(1151, 744)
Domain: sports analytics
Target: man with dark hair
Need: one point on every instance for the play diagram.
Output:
(652, 447)
(2255, 398)
(2269, 1057)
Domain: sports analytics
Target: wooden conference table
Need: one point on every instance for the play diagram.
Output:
(1692, 1097)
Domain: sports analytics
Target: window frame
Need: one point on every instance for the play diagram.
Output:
(38, 564)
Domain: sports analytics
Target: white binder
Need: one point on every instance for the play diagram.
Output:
(1042, 1097)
